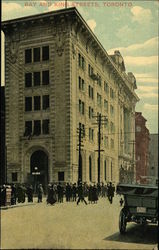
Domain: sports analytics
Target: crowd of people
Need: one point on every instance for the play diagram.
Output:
(57, 192)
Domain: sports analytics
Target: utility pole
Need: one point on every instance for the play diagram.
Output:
(81, 133)
(99, 122)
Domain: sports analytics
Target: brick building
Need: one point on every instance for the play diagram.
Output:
(153, 159)
(58, 77)
(142, 148)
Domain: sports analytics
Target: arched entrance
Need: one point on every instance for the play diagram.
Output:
(39, 168)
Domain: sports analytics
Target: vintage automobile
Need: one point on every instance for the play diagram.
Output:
(140, 204)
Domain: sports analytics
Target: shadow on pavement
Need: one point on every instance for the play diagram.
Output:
(137, 234)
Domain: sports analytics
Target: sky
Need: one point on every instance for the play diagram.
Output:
(128, 26)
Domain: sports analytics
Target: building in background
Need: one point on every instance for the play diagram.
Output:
(58, 79)
(142, 139)
(153, 159)
(2, 145)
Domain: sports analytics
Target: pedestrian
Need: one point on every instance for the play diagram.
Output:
(59, 192)
(3, 195)
(40, 193)
(90, 194)
(94, 194)
(67, 192)
(74, 192)
(13, 194)
(29, 193)
(110, 192)
(51, 195)
(81, 194)
(121, 202)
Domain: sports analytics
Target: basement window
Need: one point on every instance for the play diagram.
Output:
(45, 53)
(28, 54)
(36, 53)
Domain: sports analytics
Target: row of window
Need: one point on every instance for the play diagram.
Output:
(37, 78)
(36, 127)
(91, 90)
(37, 103)
(37, 54)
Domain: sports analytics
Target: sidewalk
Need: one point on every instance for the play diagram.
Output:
(26, 203)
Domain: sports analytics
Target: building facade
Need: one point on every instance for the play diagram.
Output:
(59, 78)
(141, 148)
(153, 159)
(2, 145)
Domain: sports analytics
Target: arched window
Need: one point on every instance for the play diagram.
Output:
(105, 170)
(90, 168)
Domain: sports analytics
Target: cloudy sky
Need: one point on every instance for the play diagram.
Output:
(129, 26)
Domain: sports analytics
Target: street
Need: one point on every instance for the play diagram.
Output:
(68, 226)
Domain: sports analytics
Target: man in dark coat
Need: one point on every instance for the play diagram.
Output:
(30, 193)
(74, 192)
(110, 193)
(40, 193)
(81, 194)
(3, 195)
(13, 194)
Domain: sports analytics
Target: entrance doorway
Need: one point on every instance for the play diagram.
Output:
(39, 169)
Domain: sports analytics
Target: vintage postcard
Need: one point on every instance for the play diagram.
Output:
(79, 124)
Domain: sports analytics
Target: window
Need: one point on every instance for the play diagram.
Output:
(112, 93)
(82, 126)
(28, 103)
(28, 128)
(36, 54)
(37, 127)
(112, 127)
(45, 127)
(61, 176)
(106, 123)
(106, 88)
(28, 55)
(138, 129)
(14, 177)
(106, 105)
(112, 143)
(106, 141)
(99, 99)
(81, 107)
(37, 105)
(81, 83)
(46, 102)
(81, 61)
(90, 70)
(99, 80)
(91, 134)
(36, 76)
(28, 80)
(91, 111)
(45, 77)
(90, 92)
(45, 53)
(111, 110)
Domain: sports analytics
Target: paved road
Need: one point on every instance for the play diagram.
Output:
(72, 227)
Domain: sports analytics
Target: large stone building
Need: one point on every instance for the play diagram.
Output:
(58, 75)
(141, 148)
(2, 143)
